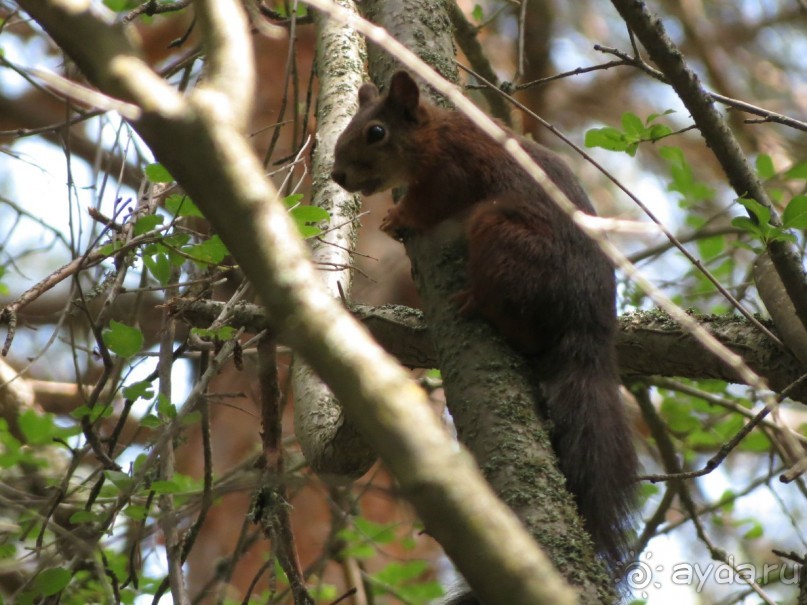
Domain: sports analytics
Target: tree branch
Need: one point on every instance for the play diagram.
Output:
(330, 442)
(649, 342)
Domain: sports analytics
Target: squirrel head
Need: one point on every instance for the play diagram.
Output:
(373, 152)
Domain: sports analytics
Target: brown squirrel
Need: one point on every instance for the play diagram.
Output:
(540, 281)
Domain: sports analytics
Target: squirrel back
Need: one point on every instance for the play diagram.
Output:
(540, 281)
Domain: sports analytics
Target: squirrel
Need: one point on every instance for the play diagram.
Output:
(544, 285)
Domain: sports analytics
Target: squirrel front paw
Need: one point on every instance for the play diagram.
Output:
(392, 224)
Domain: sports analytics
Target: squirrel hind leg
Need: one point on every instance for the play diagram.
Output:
(509, 258)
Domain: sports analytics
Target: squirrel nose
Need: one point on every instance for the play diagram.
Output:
(339, 177)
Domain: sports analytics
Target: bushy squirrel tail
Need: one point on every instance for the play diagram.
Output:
(592, 439)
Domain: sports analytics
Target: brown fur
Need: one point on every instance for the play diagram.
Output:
(544, 285)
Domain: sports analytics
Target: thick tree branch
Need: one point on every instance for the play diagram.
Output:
(330, 442)
(649, 342)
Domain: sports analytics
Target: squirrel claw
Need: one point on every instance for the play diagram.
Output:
(391, 225)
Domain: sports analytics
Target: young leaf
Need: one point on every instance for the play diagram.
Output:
(156, 173)
(746, 224)
(762, 214)
(307, 217)
(222, 333)
(138, 390)
(658, 131)
(148, 223)
(52, 581)
(164, 487)
(181, 205)
(795, 214)
(711, 246)
(136, 512)
(159, 265)
(756, 530)
(292, 200)
(477, 13)
(655, 116)
(37, 428)
(210, 252)
(797, 172)
(632, 124)
(118, 479)
(765, 168)
(122, 340)
(607, 138)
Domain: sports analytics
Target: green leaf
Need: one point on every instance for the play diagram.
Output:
(222, 333)
(323, 593)
(377, 532)
(116, 5)
(52, 581)
(148, 223)
(703, 439)
(11, 452)
(477, 13)
(110, 248)
(156, 173)
(764, 165)
(632, 124)
(711, 246)
(607, 138)
(679, 416)
(210, 252)
(138, 390)
(159, 265)
(655, 116)
(658, 131)
(673, 155)
(756, 530)
(756, 442)
(292, 200)
(746, 224)
(119, 479)
(164, 487)
(122, 340)
(683, 180)
(7, 551)
(648, 489)
(151, 422)
(38, 428)
(136, 512)
(307, 217)
(728, 428)
(727, 500)
(165, 408)
(181, 205)
(762, 214)
(795, 214)
(83, 516)
(797, 172)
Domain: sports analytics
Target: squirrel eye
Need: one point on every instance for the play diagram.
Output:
(375, 133)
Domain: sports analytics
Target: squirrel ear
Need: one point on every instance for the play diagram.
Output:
(404, 91)
(367, 93)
